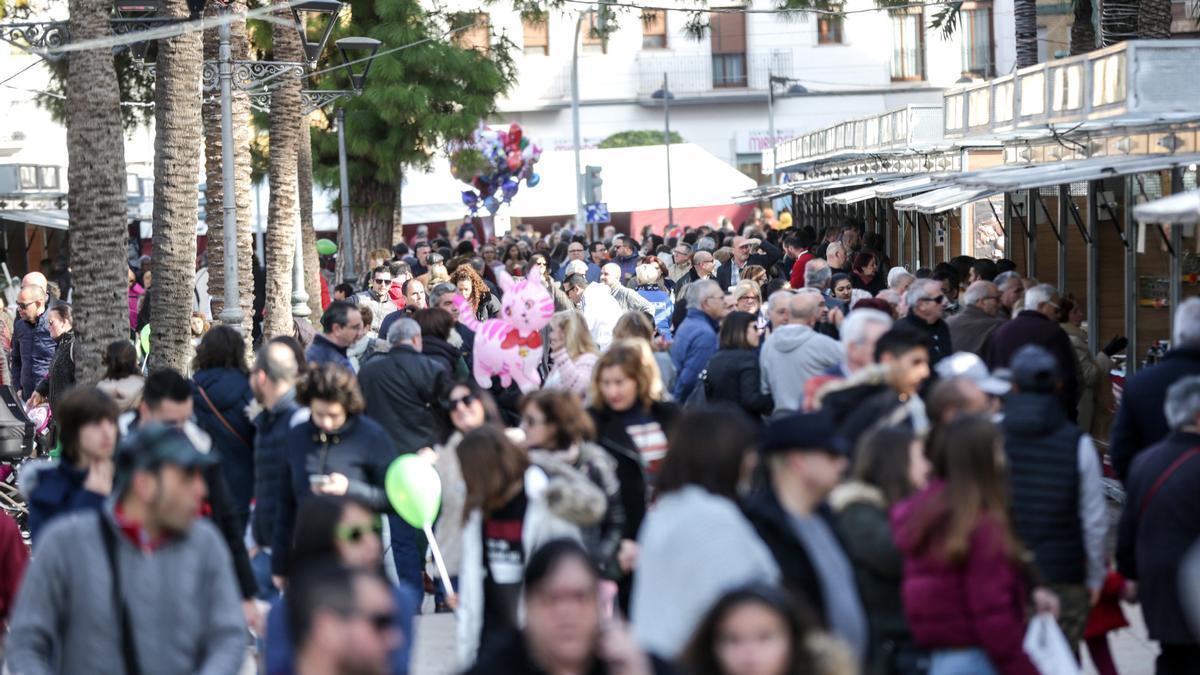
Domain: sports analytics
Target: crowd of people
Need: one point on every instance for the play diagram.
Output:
(747, 452)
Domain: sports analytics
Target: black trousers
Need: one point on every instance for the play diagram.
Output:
(1178, 659)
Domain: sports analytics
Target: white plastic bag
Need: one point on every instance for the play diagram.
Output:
(1047, 647)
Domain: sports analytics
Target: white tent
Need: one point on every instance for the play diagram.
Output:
(1180, 209)
(635, 179)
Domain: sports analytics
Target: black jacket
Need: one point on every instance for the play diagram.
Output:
(1151, 544)
(404, 391)
(360, 450)
(229, 391)
(1140, 420)
(766, 259)
(443, 353)
(61, 375)
(270, 453)
(611, 435)
(938, 332)
(1030, 327)
(733, 375)
(1043, 467)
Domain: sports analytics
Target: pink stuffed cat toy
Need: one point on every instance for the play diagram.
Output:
(510, 345)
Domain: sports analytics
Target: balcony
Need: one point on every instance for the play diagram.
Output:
(706, 73)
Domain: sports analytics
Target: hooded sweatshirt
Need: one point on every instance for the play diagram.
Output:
(792, 355)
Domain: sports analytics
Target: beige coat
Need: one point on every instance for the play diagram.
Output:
(1095, 389)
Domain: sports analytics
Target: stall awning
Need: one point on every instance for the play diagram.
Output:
(864, 193)
(56, 219)
(1014, 178)
(943, 199)
(903, 188)
(763, 193)
(1180, 209)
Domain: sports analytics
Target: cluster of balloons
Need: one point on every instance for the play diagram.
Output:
(494, 163)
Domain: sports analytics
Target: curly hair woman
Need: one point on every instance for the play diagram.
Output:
(471, 286)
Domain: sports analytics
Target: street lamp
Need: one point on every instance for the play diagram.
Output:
(231, 313)
(796, 89)
(665, 96)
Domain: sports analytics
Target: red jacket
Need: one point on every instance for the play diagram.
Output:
(979, 602)
(14, 556)
(797, 278)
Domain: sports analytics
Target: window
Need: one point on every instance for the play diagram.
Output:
(478, 36)
(908, 49)
(977, 41)
(537, 37)
(829, 29)
(654, 29)
(729, 49)
(593, 43)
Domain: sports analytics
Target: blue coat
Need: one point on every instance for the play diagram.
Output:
(55, 490)
(32, 351)
(280, 651)
(695, 343)
(270, 452)
(1141, 421)
(229, 391)
(323, 350)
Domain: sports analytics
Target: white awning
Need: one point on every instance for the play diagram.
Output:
(1180, 209)
(1014, 178)
(56, 219)
(864, 193)
(943, 199)
(903, 188)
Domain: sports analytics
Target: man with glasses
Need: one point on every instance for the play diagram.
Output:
(32, 345)
(376, 297)
(680, 264)
(704, 266)
(980, 316)
(696, 340)
(1037, 324)
(926, 306)
(344, 622)
(577, 251)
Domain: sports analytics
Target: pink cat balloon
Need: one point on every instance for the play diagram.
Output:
(510, 345)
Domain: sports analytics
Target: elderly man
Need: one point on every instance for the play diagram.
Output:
(898, 280)
(704, 266)
(746, 251)
(32, 345)
(926, 304)
(796, 352)
(576, 251)
(817, 275)
(680, 264)
(980, 316)
(1038, 325)
(629, 299)
(1160, 523)
(1011, 290)
(779, 312)
(835, 254)
(696, 340)
(860, 331)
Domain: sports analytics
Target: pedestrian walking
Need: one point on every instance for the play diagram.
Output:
(696, 340)
(343, 621)
(122, 379)
(733, 372)
(220, 396)
(573, 353)
(60, 376)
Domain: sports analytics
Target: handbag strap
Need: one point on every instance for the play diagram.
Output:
(1162, 478)
(220, 417)
(128, 648)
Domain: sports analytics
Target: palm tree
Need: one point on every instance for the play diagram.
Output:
(308, 244)
(1083, 32)
(177, 136)
(1025, 20)
(282, 164)
(1154, 19)
(96, 204)
(214, 182)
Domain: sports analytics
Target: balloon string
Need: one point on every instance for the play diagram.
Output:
(441, 564)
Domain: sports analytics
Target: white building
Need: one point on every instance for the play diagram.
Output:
(867, 62)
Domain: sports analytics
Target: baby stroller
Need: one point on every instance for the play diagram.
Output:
(18, 439)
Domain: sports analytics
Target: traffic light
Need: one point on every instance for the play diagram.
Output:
(591, 185)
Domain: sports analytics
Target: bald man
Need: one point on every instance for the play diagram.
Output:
(32, 346)
(795, 352)
(629, 299)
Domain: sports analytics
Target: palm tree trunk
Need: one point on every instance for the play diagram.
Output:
(177, 138)
(214, 181)
(1083, 32)
(96, 203)
(1118, 21)
(308, 244)
(282, 212)
(1025, 18)
(374, 222)
(1154, 19)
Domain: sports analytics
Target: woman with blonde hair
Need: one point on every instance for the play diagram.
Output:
(632, 424)
(638, 326)
(572, 353)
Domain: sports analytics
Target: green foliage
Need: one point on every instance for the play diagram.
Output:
(634, 139)
(417, 99)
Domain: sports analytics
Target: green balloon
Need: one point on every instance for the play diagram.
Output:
(414, 489)
(326, 247)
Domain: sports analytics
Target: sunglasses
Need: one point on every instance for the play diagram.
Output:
(463, 401)
(23, 305)
(355, 533)
(382, 281)
(939, 299)
(381, 622)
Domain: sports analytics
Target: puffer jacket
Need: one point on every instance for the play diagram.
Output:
(32, 351)
(695, 343)
(977, 602)
(226, 395)
(559, 505)
(126, 392)
(602, 539)
(734, 375)
(270, 453)
(862, 516)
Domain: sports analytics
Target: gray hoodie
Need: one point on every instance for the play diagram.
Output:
(183, 603)
(792, 355)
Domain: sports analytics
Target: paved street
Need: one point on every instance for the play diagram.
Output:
(434, 654)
